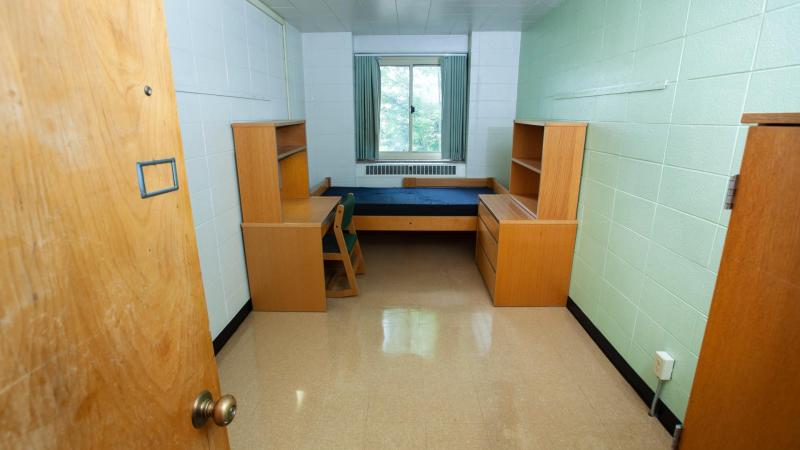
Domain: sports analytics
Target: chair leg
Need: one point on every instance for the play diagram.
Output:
(361, 266)
(351, 275)
(331, 281)
(351, 281)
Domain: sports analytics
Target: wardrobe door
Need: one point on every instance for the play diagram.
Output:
(746, 388)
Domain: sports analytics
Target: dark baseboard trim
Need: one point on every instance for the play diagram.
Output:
(663, 413)
(231, 328)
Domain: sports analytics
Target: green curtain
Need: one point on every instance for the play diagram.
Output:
(368, 105)
(454, 107)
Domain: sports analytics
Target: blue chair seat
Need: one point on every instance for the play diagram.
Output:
(329, 244)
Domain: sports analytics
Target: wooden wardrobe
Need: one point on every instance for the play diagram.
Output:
(746, 391)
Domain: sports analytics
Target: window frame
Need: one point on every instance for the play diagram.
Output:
(411, 62)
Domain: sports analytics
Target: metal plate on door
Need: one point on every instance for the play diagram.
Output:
(141, 176)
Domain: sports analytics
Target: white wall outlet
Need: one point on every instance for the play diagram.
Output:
(662, 366)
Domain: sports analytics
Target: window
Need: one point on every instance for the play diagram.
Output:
(410, 108)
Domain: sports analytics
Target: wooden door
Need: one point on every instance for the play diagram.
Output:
(746, 390)
(104, 339)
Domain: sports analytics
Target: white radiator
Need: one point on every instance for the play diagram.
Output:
(410, 169)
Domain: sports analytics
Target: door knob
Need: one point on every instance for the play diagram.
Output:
(221, 412)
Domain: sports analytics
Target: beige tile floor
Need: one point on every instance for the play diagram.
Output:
(420, 360)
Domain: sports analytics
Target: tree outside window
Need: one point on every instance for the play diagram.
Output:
(411, 110)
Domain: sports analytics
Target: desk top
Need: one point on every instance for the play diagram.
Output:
(274, 123)
(312, 210)
(504, 207)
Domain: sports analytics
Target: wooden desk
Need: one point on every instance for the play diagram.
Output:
(283, 224)
(312, 210)
(284, 260)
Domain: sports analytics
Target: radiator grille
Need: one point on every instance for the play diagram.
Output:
(411, 169)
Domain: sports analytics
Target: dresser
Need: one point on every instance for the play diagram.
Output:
(526, 238)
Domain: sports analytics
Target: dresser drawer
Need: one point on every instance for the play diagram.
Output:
(488, 242)
(489, 220)
(485, 268)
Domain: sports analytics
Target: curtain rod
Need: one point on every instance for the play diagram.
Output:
(410, 54)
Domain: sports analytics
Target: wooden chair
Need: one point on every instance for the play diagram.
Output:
(342, 245)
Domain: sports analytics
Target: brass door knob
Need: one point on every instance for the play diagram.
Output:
(221, 412)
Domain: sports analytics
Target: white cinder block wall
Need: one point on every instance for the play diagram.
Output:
(494, 66)
(294, 60)
(328, 65)
(227, 61)
(330, 131)
(411, 45)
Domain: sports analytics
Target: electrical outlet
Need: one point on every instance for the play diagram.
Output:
(663, 364)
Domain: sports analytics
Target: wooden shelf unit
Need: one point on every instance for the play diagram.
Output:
(531, 203)
(289, 150)
(529, 163)
(282, 223)
(546, 159)
(272, 164)
(526, 238)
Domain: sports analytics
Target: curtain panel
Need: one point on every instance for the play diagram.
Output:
(367, 79)
(454, 107)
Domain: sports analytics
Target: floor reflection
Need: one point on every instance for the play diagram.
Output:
(421, 359)
(415, 331)
(410, 331)
(482, 331)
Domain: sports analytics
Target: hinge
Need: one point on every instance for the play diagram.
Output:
(729, 196)
(676, 436)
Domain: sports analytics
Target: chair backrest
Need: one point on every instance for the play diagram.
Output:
(349, 203)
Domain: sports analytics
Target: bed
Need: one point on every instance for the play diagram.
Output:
(422, 204)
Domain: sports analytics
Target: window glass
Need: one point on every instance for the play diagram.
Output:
(395, 106)
(411, 111)
(427, 116)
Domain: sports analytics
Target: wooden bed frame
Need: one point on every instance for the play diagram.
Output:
(422, 223)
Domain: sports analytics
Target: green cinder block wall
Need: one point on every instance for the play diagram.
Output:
(651, 221)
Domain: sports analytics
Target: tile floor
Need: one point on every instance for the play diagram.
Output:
(422, 360)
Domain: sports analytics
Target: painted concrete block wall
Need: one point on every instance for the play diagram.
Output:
(328, 65)
(330, 131)
(494, 61)
(651, 222)
(411, 43)
(294, 61)
(227, 61)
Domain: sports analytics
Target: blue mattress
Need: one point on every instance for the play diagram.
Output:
(418, 201)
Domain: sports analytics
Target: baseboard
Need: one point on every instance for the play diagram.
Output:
(663, 413)
(232, 326)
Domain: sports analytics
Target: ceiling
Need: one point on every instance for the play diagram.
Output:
(411, 16)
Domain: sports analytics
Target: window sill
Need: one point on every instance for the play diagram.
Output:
(406, 156)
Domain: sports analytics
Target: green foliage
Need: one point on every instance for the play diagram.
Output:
(394, 117)
(394, 108)
(428, 103)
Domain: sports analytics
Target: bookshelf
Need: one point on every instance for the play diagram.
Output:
(526, 238)
(546, 159)
(272, 165)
